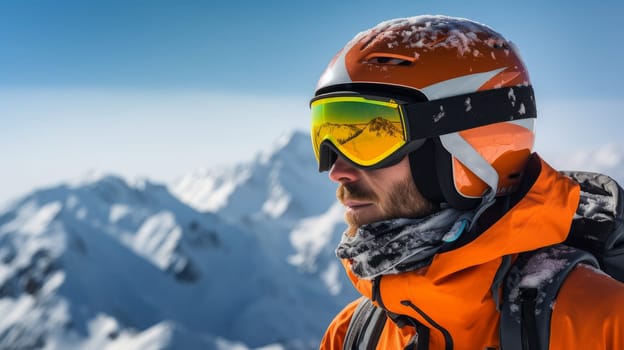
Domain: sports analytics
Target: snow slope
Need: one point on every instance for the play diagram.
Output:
(105, 264)
(281, 198)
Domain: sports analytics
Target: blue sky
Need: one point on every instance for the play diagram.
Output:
(151, 88)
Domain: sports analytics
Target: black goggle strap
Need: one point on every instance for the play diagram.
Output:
(445, 117)
(467, 111)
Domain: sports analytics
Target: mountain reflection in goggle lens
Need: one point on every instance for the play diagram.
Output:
(363, 130)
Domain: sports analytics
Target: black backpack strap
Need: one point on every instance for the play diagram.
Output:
(365, 327)
(529, 290)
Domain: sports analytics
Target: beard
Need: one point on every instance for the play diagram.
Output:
(403, 200)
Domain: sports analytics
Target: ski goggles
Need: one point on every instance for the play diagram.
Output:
(364, 130)
(373, 132)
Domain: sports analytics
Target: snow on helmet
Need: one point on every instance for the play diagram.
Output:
(437, 58)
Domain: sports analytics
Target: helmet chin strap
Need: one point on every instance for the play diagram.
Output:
(459, 148)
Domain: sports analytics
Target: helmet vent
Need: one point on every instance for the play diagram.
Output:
(498, 44)
(390, 61)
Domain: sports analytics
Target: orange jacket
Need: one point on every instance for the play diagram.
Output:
(453, 294)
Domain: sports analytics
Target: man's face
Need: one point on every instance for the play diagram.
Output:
(374, 195)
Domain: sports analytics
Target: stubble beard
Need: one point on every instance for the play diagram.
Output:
(402, 201)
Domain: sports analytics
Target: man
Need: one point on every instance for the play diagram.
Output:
(426, 126)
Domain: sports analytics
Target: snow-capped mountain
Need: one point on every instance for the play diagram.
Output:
(282, 198)
(105, 264)
(281, 182)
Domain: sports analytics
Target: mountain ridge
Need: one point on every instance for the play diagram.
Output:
(104, 263)
(171, 266)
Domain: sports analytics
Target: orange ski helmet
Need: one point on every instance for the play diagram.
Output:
(465, 105)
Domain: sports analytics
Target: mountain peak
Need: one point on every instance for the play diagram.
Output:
(277, 183)
(381, 125)
(295, 142)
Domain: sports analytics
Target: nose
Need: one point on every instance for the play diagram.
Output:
(342, 171)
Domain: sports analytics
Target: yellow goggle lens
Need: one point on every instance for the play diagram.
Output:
(364, 130)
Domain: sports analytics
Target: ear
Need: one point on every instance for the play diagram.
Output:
(424, 172)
